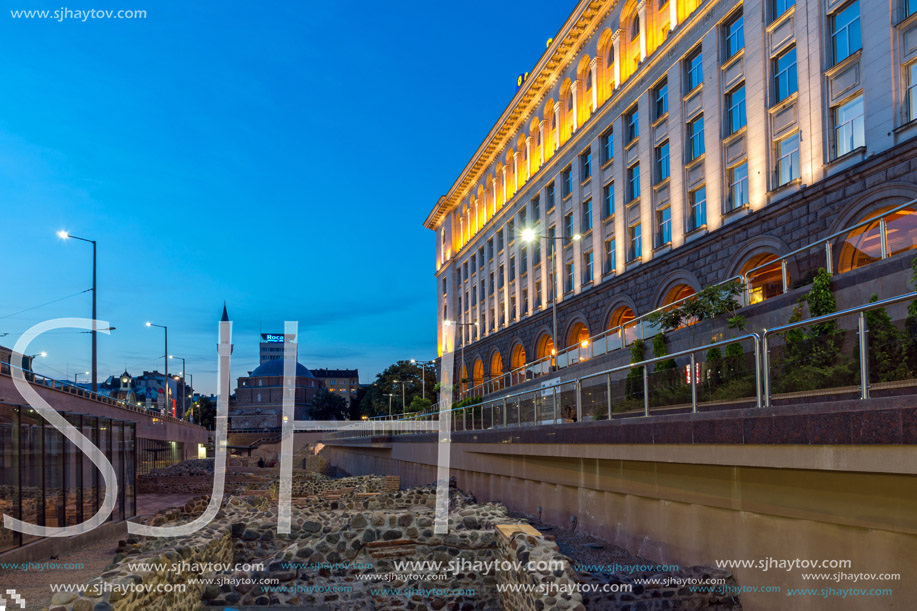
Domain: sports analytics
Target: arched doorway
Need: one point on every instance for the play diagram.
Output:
(863, 245)
(620, 320)
(496, 369)
(517, 358)
(620, 317)
(765, 282)
(676, 294)
(545, 347)
(579, 334)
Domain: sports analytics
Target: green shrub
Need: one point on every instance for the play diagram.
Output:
(887, 353)
(634, 384)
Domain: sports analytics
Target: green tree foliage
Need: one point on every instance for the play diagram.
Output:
(326, 405)
(732, 365)
(634, 384)
(660, 350)
(204, 412)
(887, 346)
(420, 405)
(375, 403)
(714, 366)
(710, 302)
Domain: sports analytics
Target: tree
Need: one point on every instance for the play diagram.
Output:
(659, 350)
(420, 405)
(375, 403)
(204, 412)
(633, 386)
(710, 302)
(887, 354)
(326, 405)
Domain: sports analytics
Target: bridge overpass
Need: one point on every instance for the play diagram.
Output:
(832, 480)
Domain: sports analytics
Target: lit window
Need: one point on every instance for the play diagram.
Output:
(587, 215)
(845, 32)
(849, 133)
(696, 138)
(735, 35)
(663, 226)
(788, 159)
(633, 182)
(608, 200)
(662, 161)
(694, 71)
(735, 114)
(635, 27)
(610, 263)
(636, 243)
(912, 90)
(662, 99)
(738, 187)
(697, 215)
(631, 124)
(785, 75)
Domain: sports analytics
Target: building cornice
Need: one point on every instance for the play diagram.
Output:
(563, 50)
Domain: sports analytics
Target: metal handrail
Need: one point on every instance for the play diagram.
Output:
(861, 332)
(829, 255)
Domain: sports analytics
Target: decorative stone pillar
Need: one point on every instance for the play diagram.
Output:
(673, 14)
(573, 88)
(493, 186)
(528, 157)
(641, 15)
(515, 172)
(593, 70)
(541, 143)
(504, 185)
(616, 43)
(556, 126)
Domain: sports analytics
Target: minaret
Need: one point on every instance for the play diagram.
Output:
(225, 318)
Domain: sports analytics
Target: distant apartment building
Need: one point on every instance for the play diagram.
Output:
(344, 382)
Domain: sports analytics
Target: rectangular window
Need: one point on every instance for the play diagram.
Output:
(549, 195)
(911, 7)
(849, 132)
(568, 225)
(566, 178)
(525, 301)
(633, 182)
(587, 267)
(662, 161)
(587, 216)
(524, 259)
(785, 75)
(845, 32)
(511, 230)
(694, 71)
(499, 240)
(788, 159)
(490, 248)
(608, 146)
(738, 187)
(568, 277)
(697, 214)
(735, 35)
(782, 6)
(536, 210)
(585, 165)
(635, 251)
(512, 268)
(735, 113)
(491, 286)
(696, 138)
(663, 226)
(610, 263)
(661, 95)
(631, 125)
(608, 200)
(536, 257)
(912, 90)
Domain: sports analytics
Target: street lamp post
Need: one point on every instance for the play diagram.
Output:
(165, 358)
(403, 406)
(389, 395)
(183, 387)
(191, 397)
(85, 373)
(95, 368)
(529, 235)
(423, 376)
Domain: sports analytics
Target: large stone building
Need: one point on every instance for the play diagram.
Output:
(258, 400)
(343, 382)
(664, 146)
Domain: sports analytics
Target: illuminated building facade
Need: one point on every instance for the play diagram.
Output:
(684, 142)
(343, 382)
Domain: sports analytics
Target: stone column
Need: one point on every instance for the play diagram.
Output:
(556, 126)
(493, 186)
(541, 146)
(641, 14)
(515, 171)
(573, 88)
(593, 70)
(504, 185)
(528, 158)
(616, 43)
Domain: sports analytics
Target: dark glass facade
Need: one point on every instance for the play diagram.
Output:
(46, 480)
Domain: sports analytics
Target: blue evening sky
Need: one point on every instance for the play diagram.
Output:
(280, 156)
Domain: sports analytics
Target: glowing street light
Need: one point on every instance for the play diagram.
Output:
(65, 235)
(165, 358)
(75, 375)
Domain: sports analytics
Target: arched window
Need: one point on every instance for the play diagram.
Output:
(588, 80)
(477, 373)
(863, 245)
(579, 335)
(677, 293)
(620, 317)
(517, 359)
(545, 347)
(496, 365)
(766, 282)
(635, 28)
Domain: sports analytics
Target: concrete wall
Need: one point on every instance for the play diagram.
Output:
(696, 503)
